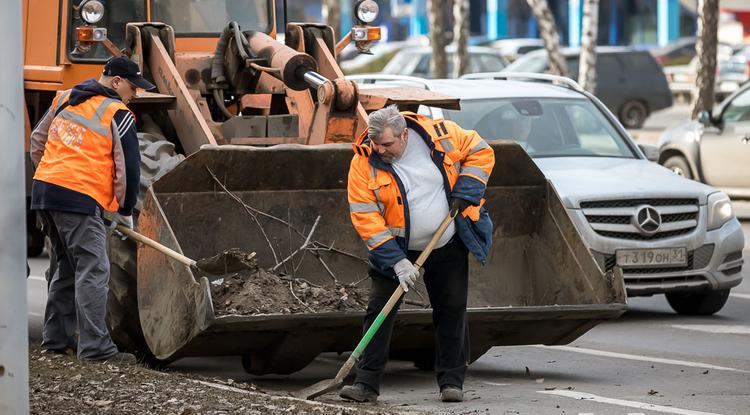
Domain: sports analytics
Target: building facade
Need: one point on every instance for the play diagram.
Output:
(621, 22)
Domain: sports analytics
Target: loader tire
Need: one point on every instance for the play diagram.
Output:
(698, 304)
(158, 157)
(123, 319)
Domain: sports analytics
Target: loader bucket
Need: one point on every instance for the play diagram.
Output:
(539, 286)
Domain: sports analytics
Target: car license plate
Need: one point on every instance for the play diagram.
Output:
(651, 258)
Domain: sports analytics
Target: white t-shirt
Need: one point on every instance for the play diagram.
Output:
(423, 183)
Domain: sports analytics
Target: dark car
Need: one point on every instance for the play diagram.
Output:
(679, 52)
(629, 82)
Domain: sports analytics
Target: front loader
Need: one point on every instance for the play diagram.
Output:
(265, 130)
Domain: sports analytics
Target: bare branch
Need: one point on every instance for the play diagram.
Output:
(304, 245)
(300, 301)
(359, 281)
(248, 207)
(335, 280)
(318, 246)
(251, 211)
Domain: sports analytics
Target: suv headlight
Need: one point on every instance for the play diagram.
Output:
(92, 11)
(719, 210)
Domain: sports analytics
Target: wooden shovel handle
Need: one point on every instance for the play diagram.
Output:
(156, 245)
(375, 326)
(435, 238)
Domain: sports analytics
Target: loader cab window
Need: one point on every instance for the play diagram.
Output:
(117, 13)
(210, 17)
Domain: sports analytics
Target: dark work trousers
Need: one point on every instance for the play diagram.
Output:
(446, 278)
(77, 285)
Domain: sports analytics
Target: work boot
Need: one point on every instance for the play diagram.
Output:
(450, 393)
(359, 392)
(62, 352)
(117, 359)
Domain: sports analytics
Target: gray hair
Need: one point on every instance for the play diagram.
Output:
(388, 117)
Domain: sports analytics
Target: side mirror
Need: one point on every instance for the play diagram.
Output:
(650, 151)
(704, 117)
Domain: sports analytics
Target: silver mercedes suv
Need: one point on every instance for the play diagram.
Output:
(669, 235)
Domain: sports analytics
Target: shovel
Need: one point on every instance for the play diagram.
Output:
(327, 385)
(231, 260)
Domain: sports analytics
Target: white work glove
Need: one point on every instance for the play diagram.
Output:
(406, 272)
(118, 219)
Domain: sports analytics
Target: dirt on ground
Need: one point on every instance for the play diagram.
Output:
(63, 385)
(256, 291)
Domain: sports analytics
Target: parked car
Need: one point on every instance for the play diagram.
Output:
(735, 70)
(679, 52)
(730, 74)
(511, 49)
(715, 148)
(629, 81)
(353, 62)
(669, 235)
(416, 61)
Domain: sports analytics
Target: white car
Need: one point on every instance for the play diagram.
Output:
(415, 61)
(513, 48)
(669, 235)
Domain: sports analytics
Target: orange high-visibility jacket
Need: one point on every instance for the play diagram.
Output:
(79, 148)
(379, 211)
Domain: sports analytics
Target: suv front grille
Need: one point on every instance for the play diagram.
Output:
(619, 218)
(636, 202)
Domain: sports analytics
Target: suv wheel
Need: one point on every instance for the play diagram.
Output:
(679, 165)
(633, 114)
(698, 304)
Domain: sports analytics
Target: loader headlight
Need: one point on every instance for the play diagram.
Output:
(367, 11)
(92, 11)
(719, 210)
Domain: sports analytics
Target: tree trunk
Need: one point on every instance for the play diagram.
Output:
(587, 65)
(548, 30)
(705, 47)
(332, 15)
(439, 63)
(461, 36)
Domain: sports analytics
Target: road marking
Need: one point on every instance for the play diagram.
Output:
(622, 402)
(496, 384)
(742, 296)
(714, 328)
(643, 358)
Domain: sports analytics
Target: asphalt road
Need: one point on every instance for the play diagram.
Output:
(650, 361)
(650, 356)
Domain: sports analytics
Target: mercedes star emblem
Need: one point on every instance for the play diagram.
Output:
(647, 219)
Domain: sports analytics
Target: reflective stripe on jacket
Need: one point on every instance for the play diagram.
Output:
(78, 154)
(380, 212)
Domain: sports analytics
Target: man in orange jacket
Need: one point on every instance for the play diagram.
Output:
(85, 150)
(408, 172)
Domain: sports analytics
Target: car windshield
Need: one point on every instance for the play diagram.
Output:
(211, 16)
(544, 127)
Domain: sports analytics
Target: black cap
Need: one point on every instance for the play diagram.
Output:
(125, 68)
